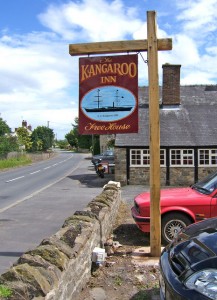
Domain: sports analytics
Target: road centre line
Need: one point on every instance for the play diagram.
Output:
(47, 168)
(15, 179)
(35, 172)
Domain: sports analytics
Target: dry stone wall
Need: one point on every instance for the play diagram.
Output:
(60, 266)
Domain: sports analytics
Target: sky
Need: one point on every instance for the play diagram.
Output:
(38, 77)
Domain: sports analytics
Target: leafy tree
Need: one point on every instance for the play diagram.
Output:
(42, 138)
(72, 138)
(24, 137)
(62, 144)
(77, 140)
(8, 144)
(111, 143)
(4, 128)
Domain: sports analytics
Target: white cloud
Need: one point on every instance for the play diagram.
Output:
(199, 16)
(39, 79)
(92, 20)
(194, 76)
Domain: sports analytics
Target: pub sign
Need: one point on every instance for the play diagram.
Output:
(108, 94)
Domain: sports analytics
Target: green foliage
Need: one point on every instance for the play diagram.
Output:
(111, 143)
(24, 137)
(14, 162)
(5, 292)
(8, 144)
(72, 139)
(77, 140)
(62, 144)
(4, 128)
(42, 138)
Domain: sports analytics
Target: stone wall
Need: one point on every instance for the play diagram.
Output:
(181, 176)
(60, 266)
(141, 176)
(202, 172)
(40, 156)
(120, 166)
(33, 156)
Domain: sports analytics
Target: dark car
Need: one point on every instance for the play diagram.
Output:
(107, 156)
(188, 264)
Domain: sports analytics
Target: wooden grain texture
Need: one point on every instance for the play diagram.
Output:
(154, 129)
(116, 47)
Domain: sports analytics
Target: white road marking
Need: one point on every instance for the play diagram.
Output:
(35, 172)
(40, 170)
(47, 168)
(15, 178)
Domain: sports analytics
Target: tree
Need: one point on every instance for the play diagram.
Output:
(72, 139)
(4, 128)
(42, 138)
(77, 140)
(63, 144)
(24, 137)
(8, 144)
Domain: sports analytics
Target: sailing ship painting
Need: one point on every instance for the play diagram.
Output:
(108, 103)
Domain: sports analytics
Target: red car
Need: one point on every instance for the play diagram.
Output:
(179, 207)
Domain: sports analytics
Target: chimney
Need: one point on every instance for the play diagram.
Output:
(24, 123)
(171, 85)
(29, 127)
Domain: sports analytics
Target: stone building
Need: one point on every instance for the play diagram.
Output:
(188, 134)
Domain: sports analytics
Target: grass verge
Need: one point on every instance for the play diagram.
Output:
(14, 162)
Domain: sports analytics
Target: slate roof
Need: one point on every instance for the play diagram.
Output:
(193, 123)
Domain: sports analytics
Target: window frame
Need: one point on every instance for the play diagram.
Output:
(144, 154)
(211, 156)
(182, 157)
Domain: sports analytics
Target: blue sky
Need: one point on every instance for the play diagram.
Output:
(39, 79)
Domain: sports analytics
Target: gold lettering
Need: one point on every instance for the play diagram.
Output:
(108, 79)
(124, 69)
(111, 126)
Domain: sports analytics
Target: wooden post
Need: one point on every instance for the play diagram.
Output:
(154, 131)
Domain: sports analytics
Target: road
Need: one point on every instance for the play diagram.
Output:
(35, 200)
(21, 183)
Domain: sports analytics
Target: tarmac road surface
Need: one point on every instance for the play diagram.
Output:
(24, 225)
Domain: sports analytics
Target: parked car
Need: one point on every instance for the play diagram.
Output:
(188, 265)
(179, 207)
(107, 156)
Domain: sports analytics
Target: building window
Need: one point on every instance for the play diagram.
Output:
(207, 157)
(141, 158)
(182, 157)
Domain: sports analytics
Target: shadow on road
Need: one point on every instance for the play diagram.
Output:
(92, 180)
(11, 254)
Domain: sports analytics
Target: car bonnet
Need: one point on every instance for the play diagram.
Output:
(193, 248)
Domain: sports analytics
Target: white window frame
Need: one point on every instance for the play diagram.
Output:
(212, 155)
(184, 156)
(144, 154)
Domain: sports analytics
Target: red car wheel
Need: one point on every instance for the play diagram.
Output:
(171, 224)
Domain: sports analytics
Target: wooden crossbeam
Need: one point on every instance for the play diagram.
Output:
(117, 47)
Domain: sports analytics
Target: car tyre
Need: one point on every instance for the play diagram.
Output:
(172, 223)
